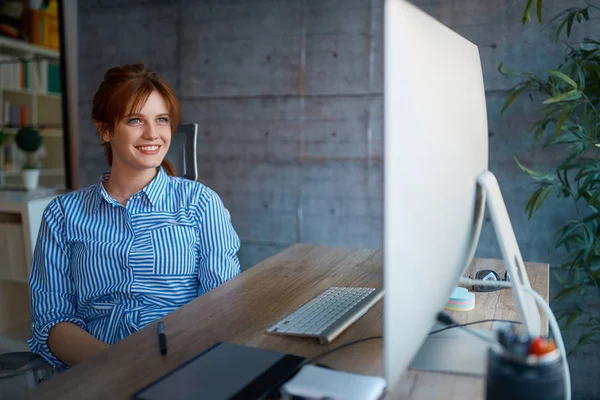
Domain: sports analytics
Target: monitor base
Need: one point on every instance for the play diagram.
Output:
(454, 351)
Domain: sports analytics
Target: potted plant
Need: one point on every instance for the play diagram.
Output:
(571, 122)
(30, 141)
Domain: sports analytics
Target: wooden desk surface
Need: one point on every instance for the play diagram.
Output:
(240, 310)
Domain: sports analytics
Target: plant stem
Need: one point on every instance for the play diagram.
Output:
(591, 5)
(590, 103)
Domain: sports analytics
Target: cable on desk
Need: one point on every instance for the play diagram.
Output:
(315, 358)
(446, 319)
(454, 325)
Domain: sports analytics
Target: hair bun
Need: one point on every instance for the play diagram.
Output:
(129, 71)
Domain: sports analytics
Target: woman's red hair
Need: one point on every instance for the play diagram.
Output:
(124, 91)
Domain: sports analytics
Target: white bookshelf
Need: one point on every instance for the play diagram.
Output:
(43, 110)
(20, 220)
(20, 47)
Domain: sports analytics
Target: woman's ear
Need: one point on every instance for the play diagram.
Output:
(102, 133)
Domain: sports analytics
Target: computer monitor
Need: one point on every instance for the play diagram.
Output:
(436, 178)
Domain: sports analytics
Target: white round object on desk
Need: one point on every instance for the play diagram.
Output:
(461, 300)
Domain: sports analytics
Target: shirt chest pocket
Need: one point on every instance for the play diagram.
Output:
(174, 250)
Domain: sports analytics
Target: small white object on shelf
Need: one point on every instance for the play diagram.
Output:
(31, 178)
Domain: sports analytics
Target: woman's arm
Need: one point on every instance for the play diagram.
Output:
(54, 297)
(220, 243)
(72, 344)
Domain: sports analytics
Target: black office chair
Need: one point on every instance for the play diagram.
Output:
(22, 371)
(183, 151)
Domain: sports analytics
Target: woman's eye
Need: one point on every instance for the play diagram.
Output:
(134, 121)
(163, 120)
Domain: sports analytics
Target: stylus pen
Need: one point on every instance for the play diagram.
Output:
(162, 338)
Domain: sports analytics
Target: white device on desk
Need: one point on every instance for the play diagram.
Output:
(318, 383)
(436, 180)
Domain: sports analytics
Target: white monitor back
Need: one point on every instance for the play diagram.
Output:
(436, 146)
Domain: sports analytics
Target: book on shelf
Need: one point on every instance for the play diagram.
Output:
(43, 25)
(40, 76)
(15, 115)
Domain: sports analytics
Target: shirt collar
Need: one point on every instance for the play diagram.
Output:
(153, 190)
(156, 187)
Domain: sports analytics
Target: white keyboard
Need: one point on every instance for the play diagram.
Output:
(328, 314)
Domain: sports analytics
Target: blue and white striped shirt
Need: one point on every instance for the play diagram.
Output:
(112, 269)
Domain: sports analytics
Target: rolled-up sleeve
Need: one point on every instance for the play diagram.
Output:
(218, 261)
(53, 296)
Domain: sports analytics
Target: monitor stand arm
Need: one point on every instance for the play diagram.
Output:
(455, 351)
(515, 267)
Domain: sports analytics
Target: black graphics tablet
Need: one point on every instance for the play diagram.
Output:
(225, 371)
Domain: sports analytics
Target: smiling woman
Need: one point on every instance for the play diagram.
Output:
(133, 100)
(114, 257)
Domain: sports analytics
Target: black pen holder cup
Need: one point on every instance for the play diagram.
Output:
(515, 380)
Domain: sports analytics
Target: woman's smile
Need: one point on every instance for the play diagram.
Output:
(149, 149)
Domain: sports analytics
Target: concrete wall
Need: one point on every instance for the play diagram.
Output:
(288, 95)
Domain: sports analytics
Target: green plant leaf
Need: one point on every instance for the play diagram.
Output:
(513, 95)
(543, 196)
(535, 175)
(565, 292)
(559, 29)
(583, 340)
(570, 23)
(568, 96)
(569, 233)
(564, 180)
(581, 77)
(501, 69)
(591, 200)
(596, 194)
(594, 216)
(559, 278)
(572, 318)
(564, 77)
(567, 139)
(585, 14)
(539, 10)
(560, 123)
(529, 207)
(528, 79)
(527, 13)
(591, 67)
(583, 325)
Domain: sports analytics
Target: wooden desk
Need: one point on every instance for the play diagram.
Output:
(240, 310)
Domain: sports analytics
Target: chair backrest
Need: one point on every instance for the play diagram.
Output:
(21, 372)
(183, 151)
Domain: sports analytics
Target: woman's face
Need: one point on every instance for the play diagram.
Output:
(141, 141)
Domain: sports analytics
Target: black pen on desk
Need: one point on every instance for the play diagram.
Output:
(162, 338)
